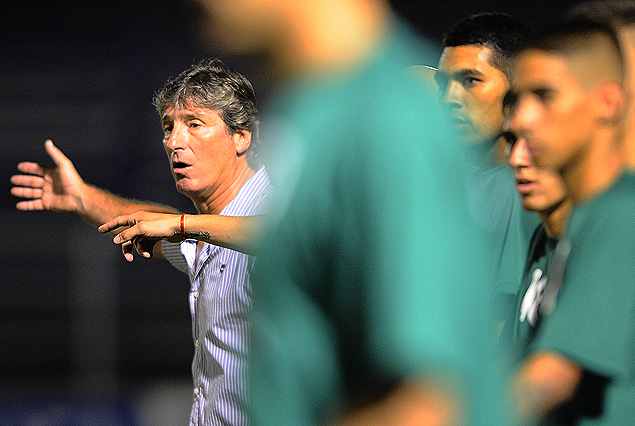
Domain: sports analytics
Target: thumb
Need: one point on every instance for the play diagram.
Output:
(54, 152)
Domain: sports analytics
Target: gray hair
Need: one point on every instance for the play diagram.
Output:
(210, 84)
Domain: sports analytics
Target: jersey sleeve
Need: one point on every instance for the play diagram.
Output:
(593, 320)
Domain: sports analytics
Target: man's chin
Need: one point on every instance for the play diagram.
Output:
(183, 186)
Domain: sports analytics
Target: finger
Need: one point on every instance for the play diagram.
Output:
(126, 249)
(54, 152)
(117, 223)
(31, 168)
(30, 205)
(119, 239)
(27, 180)
(130, 230)
(126, 235)
(141, 247)
(22, 192)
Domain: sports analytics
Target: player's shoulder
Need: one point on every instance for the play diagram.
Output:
(612, 211)
(620, 198)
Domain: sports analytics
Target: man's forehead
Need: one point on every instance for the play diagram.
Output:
(187, 110)
(536, 65)
(454, 58)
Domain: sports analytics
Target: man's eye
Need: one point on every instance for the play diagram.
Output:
(469, 81)
(510, 138)
(167, 129)
(545, 95)
(509, 102)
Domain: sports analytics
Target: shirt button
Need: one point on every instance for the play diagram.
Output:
(195, 294)
(196, 391)
(196, 343)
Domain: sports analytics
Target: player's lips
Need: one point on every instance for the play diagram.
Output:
(524, 186)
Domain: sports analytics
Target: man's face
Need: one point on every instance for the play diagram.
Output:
(550, 109)
(203, 155)
(541, 189)
(472, 89)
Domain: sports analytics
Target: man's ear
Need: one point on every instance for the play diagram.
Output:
(611, 102)
(242, 140)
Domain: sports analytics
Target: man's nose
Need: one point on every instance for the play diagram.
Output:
(524, 116)
(451, 94)
(176, 138)
(519, 156)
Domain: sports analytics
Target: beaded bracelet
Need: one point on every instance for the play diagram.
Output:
(183, 226)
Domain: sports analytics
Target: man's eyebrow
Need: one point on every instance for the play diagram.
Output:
(467, 71)
(180, 115)
(188, 116)
(442, 77)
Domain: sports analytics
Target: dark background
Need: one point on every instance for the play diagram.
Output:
(83, 333)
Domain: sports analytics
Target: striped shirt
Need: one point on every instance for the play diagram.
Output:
(220, 303)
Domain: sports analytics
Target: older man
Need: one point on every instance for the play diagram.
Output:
(210, 120)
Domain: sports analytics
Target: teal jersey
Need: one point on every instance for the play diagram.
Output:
(593, 321)
(497, 208)
(523, 321)
(371, 270)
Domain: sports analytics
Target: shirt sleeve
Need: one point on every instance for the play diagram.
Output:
(592, 323)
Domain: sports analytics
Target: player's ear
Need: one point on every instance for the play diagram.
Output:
(242, 140)
(611, 102)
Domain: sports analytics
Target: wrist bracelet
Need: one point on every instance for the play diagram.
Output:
(183, 226)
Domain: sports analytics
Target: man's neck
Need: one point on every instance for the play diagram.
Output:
(555, 219)
(489, 154)
(627, 38)
(219, 198)
(595, 170)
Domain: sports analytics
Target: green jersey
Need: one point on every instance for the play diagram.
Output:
(593, 321)
(523, 321)
(371, 271)
(497, 208)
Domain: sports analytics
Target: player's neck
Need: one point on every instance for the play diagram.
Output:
(627, 38)
(555, 219)
(489, 154)
(595, 170)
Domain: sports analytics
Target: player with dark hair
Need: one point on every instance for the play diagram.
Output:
(567, 103)
(474, 74)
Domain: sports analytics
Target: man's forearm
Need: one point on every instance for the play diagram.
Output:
(236, 233)
(98, 206)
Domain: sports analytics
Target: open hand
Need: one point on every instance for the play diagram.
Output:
(56, 188)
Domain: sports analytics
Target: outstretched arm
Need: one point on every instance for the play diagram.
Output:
(236, 233)
(62, 189)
